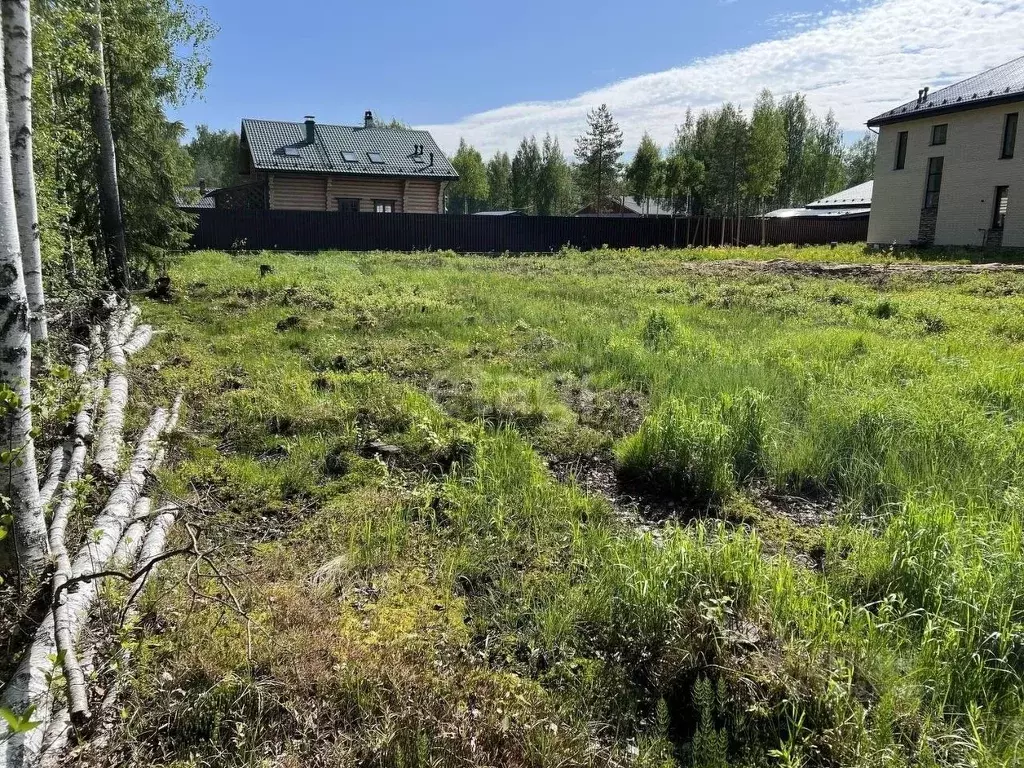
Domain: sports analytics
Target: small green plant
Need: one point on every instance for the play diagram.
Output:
(710, 745)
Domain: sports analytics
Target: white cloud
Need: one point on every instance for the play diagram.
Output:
(858, 62)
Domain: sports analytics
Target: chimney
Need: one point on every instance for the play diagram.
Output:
(920, 95)
(310, 129)
(924, 96)
(202, 187)
(368, 119)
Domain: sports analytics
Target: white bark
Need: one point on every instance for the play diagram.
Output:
(72, 608)
(139, 340)
(20, 478)
(54, 471)
(17, 31)
(109, 439)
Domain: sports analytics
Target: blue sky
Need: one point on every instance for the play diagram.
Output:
(494, 72)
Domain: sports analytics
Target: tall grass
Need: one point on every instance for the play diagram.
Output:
(452, 572)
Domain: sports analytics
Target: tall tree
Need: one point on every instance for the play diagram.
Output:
(554, 181)
(822, 172)
(643, 176)
(599, 151)
(214, 157)
(766, 150)
(111, 221)
(17, 32)
(859, 160)
(470, 191)
(499, 173)
(17, 451)
(524, 176)
(795, 119)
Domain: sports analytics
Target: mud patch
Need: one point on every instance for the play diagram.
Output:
(596, 475)
(614, 412)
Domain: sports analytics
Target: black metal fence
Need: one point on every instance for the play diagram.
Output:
(328, 230)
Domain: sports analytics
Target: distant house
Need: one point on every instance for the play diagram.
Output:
(310, 166)
(627, 206)
(852, 203)
(948, 169)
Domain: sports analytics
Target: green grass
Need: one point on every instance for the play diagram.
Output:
(369, 441)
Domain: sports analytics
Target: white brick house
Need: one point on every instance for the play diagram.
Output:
(950, 167)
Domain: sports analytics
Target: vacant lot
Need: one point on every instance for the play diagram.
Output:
(589, 509)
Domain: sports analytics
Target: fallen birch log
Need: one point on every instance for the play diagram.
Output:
(74, 593)
(109, 438)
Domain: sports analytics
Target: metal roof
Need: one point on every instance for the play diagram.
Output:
(858, 196)
(1002, 84)
(267, 140)
(499, 213)
(817, 213)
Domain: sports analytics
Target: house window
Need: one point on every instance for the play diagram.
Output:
(1009, 136)
(384, 206)
(1002, 203)
(901, 150)
(931, 195)
(939, 134)
(348, 204)
(375, 157)
(350, 157)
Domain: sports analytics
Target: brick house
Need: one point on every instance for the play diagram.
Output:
(949, 170)
(310, 166)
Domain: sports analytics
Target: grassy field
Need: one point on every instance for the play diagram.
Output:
(608, 508)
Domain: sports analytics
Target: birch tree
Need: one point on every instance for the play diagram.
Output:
(16, 447)
(17, 32)
(111, 220)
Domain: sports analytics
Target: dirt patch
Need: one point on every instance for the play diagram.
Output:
(615, 412)
(804, 512)
(596, 475)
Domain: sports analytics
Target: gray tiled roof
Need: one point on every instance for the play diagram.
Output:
(1004, 83)
(267, 140)
(859, 195)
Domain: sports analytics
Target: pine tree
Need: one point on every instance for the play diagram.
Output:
(643, 176)
(599, 151)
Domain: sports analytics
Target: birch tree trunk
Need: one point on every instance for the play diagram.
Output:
(19, 467)
(111, 221)
(17, 31)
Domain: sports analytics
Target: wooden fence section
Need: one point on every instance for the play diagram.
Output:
(327, 230)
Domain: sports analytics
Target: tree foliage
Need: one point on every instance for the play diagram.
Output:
(554, 191)
(155, 56)
(599, 151)
(525, 175)
(859, 159)
(499, 179)
(767, 151)
(644, 174)
(469, 193)
(214, 157)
